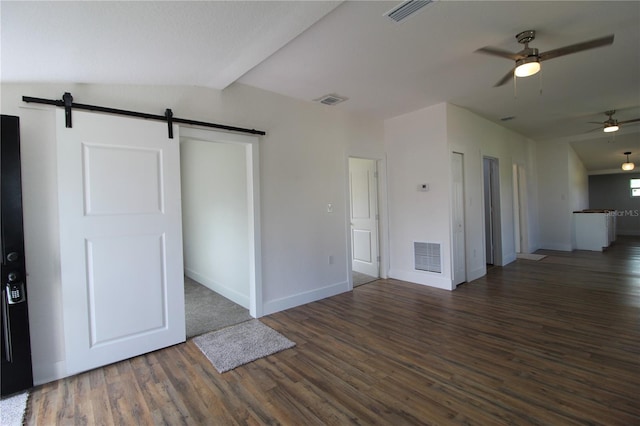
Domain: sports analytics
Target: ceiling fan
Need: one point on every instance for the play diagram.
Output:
(527, 61)
(611, 124)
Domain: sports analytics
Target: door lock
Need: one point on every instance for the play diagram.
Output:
(14, 289)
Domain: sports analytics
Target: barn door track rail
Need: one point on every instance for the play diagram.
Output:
(69, 105)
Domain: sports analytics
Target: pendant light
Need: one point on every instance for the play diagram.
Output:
(628, 165)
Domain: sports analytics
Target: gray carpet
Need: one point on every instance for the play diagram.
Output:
(240, 344)
(359, 279)
(207, 311)
(12, 409)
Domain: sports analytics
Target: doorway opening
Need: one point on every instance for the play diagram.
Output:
(364, 220)
(493, 232)
(219, 200)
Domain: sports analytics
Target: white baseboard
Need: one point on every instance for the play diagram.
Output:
(273, 306)
(422, 278)
(231, 294)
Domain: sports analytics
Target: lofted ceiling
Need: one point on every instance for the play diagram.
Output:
(307, 49)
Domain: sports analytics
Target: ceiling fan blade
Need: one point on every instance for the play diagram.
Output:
(499, 52)
(596, 122)
(504, 80)
(629, 121)
(578, 47)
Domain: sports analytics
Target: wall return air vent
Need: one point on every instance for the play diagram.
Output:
(406, 9)
(427, 257)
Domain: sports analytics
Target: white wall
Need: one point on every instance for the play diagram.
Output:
(417, 152)
(578, 188)
(578, 182)
(563, 188)
(532, 192)
(553, 196)
(418, 148)
(477, 137)
(303, 166)
(214, 217)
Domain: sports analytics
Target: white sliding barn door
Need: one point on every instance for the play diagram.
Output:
(120, 238)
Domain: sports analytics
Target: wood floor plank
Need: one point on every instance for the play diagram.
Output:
(555, 341)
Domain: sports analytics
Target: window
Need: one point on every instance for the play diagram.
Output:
(635, 187)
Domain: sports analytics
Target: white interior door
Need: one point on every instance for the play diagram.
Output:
(363, 191)
(457, 213)
(120, 238)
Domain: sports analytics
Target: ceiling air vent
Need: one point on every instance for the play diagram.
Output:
(406, 9)
(331, 99)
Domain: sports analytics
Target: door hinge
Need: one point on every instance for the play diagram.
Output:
(378, 258)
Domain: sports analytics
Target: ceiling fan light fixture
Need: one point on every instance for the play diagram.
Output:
(611, 128)
(527, 61)
(628, 166)
(527, 66)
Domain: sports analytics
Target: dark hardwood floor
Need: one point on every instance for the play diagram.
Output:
(552, 342)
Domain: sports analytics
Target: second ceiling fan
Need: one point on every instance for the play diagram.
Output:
(527, 61)
(611, 124)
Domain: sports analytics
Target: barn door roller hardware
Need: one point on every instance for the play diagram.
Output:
(68, 104)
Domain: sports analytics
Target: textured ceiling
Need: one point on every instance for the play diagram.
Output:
(199, 43)
(308, 49)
